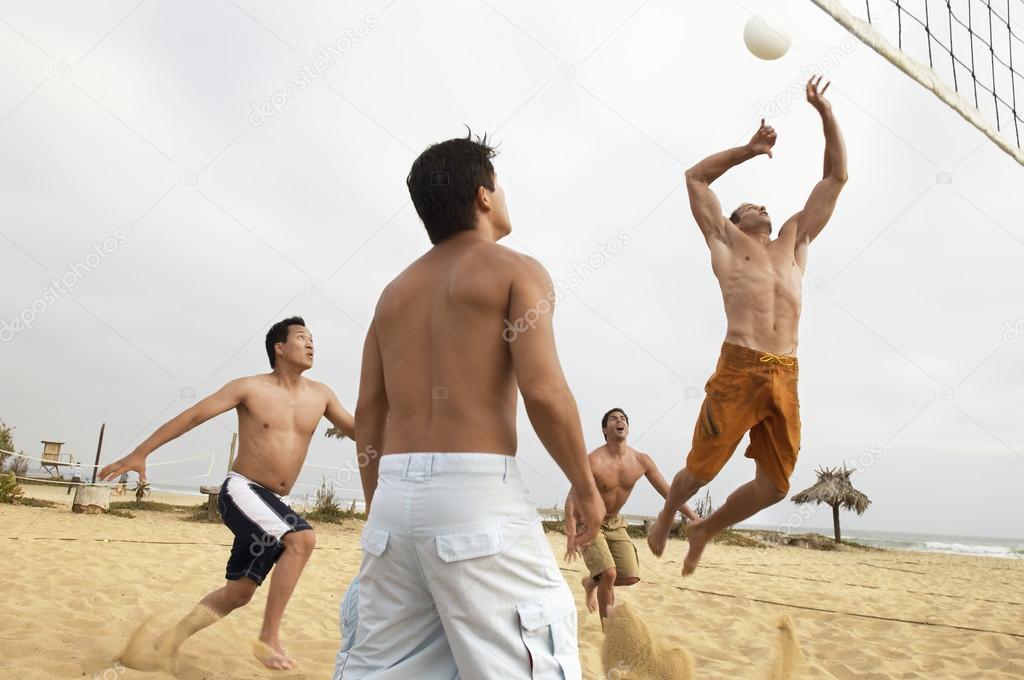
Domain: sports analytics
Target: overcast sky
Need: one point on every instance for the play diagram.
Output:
(153, 155)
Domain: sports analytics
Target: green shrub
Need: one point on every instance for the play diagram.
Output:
(327, 509)
(19, 464)
(10, 490)
(141, 490)
(6, 442)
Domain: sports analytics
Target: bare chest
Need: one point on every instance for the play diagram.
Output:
(759, 273)
(276, 412)
(621, 476)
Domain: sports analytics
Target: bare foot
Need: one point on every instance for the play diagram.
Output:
(657, 536)
(697, 537)
(590, 585)
(274, 657)
(148, 649)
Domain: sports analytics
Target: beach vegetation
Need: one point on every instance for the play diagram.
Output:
(704, 507)
(18, 464)
(10, 490)
(326, 507)
(6, 443)
(141, 490)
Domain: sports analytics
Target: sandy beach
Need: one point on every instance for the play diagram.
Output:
(75, 586)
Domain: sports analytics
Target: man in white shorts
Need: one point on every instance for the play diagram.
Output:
(458, 579)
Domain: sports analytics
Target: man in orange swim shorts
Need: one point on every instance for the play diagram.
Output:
(754, 387)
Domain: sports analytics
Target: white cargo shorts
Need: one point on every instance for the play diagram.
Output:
(457, 578)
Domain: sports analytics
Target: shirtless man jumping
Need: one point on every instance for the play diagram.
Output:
(277, 415)
(612, 559)
(754, 387)
(458, 578)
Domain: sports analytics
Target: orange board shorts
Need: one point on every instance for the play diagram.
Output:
(750, 391)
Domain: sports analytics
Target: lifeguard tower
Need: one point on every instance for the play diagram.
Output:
(53, 459)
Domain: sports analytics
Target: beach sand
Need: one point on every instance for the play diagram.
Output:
(74, 587)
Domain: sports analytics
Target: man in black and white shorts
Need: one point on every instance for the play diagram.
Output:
(259, 519)
(277, 415)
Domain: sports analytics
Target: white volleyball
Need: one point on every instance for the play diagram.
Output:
(766, 37)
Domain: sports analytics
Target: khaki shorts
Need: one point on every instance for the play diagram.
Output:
(612, 548)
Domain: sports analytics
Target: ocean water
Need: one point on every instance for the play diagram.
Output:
(1008, 548)
(957, 545)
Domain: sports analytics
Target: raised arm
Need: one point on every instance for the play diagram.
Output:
(344, 423)
(371, 416)
(660, 485)
(822, 201)
(549, 403)
(704, 204)
(224, 399)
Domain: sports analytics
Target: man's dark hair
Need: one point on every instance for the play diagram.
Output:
(604, 418)
(735, 216)
(443, 182)
(279, 333)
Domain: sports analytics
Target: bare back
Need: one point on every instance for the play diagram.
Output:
(761, 288)
(448, 372)
(275, 426)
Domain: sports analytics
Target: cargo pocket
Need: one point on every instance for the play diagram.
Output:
(469, 544)
(549, 633)
(374, 540)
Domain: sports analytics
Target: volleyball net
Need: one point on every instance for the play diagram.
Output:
(967, 52)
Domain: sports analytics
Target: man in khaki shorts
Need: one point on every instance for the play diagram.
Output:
(612, 558)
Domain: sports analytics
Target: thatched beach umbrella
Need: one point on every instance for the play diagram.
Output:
(834, 488)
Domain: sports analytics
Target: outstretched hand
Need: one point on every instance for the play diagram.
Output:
(763, 140)
(816, 96)
(130, 463)
(571, 551)
(588, 513)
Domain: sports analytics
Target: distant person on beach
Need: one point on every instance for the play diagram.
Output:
(612, 559)
(458, 578)
(277, 415)
(754, 387)
(122, 485)
(76, 476)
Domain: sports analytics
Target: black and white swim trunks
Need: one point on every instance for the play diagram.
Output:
(259, 519)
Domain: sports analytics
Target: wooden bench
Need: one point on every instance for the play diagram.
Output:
(212, 513)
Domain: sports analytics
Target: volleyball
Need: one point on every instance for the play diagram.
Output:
(765, 37)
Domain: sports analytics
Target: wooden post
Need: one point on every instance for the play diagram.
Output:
(91, 500)
(213, 491)
(99, 447)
